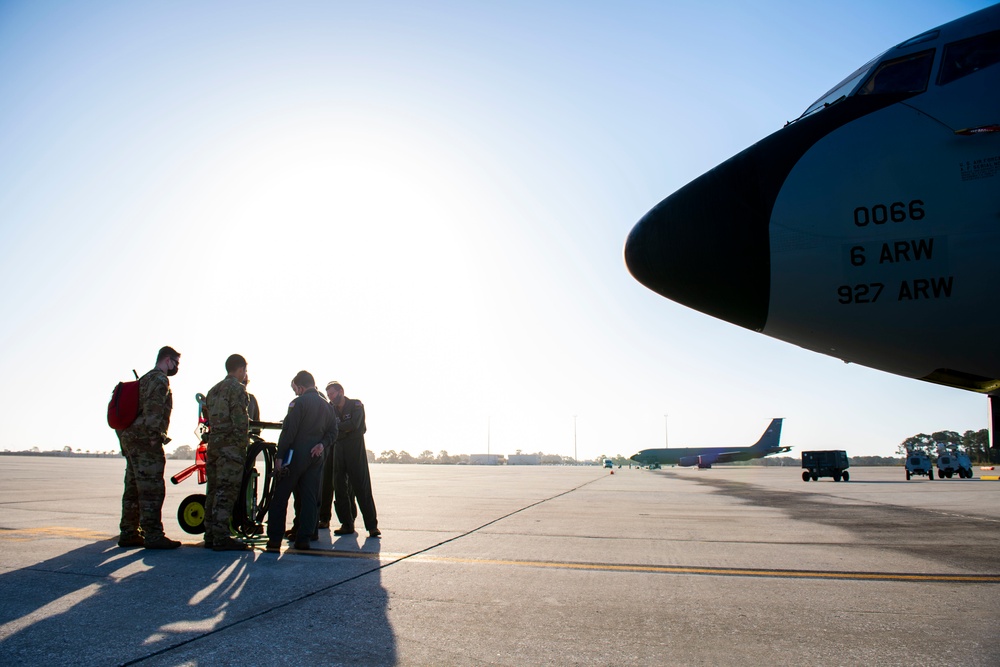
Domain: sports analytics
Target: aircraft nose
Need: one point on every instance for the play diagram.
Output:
(706, 246)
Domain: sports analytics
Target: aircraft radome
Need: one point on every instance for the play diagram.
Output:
(869, 228)
(704, 457)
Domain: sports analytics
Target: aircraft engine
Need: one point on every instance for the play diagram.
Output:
(706, 461)
(703, 461)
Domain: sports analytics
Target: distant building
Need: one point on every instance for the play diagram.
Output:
(484, 459)
(524, 460)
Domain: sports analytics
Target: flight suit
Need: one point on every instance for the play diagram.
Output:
(228, 436)
(142, 444)
(351, 478)
(326, 492)
(309, 422)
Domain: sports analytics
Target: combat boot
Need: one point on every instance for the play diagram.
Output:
(273, 547)
(229, 544)
(344, 530)
(161, 542)
(130, 541)
(302, 545)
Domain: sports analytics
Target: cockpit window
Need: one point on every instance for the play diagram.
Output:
(969, 55)
(908, 74)
(920, 39)
(842, 89)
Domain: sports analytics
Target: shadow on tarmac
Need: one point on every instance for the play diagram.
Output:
(100, 604)
(954, 540)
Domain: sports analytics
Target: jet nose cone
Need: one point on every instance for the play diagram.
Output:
(706, 246)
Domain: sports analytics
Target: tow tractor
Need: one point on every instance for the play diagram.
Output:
(953, 463)
(918, 463)
(825, 463)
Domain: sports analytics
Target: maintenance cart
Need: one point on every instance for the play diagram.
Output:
(953, 463)
(918, 463)
(255, 490)
(825, 463)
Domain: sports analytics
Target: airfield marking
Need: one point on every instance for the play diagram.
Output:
(386, 558)
(729, 572)
(666, 569)
(25, 534)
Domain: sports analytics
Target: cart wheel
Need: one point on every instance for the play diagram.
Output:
(907, 475)
(930, 474)
(836, 476)
(815, 478)
(255, 489)
(191, 514)
(805, 476)
(846, 476)
(947, 474)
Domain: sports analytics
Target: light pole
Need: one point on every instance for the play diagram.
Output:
(666, 442)
(488, 436)
(575, 462)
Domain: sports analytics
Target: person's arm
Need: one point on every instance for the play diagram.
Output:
(156, 407)
(332, 430)
(239, 409)
(353, 417)
(289, 428)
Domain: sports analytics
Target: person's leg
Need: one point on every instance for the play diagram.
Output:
(326, 495)
(229, 475)
(129, 531)
(148, 462)
(308, 488)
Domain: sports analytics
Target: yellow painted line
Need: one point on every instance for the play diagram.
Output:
(26, 534)
(78, 533)
(730, 572)
(665, 569)
(332, 553)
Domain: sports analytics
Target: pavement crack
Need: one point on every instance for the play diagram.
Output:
(337, 584)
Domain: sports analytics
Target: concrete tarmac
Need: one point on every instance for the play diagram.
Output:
(519, 566)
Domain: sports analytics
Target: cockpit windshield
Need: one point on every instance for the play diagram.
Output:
(842, 89)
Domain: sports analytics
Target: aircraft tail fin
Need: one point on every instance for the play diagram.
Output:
(772, 436)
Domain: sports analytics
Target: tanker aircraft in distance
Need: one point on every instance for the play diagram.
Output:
(704, 457)
(868, 229)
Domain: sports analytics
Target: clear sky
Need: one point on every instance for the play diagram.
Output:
(426, 201)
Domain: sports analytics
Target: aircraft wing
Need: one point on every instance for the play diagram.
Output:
(727, 457)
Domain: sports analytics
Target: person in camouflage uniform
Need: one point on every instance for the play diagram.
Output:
(228, 436)
(142, 444)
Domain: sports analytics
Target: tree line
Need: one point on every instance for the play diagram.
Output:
(976, 444)
(443, 458)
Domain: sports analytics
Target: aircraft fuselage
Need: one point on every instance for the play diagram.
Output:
(704, 457)
(868, 229)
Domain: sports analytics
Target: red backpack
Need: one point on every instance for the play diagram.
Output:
(123, 407)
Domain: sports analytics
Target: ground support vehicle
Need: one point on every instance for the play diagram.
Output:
(919, 464)
(825, 463)
(953, 463)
